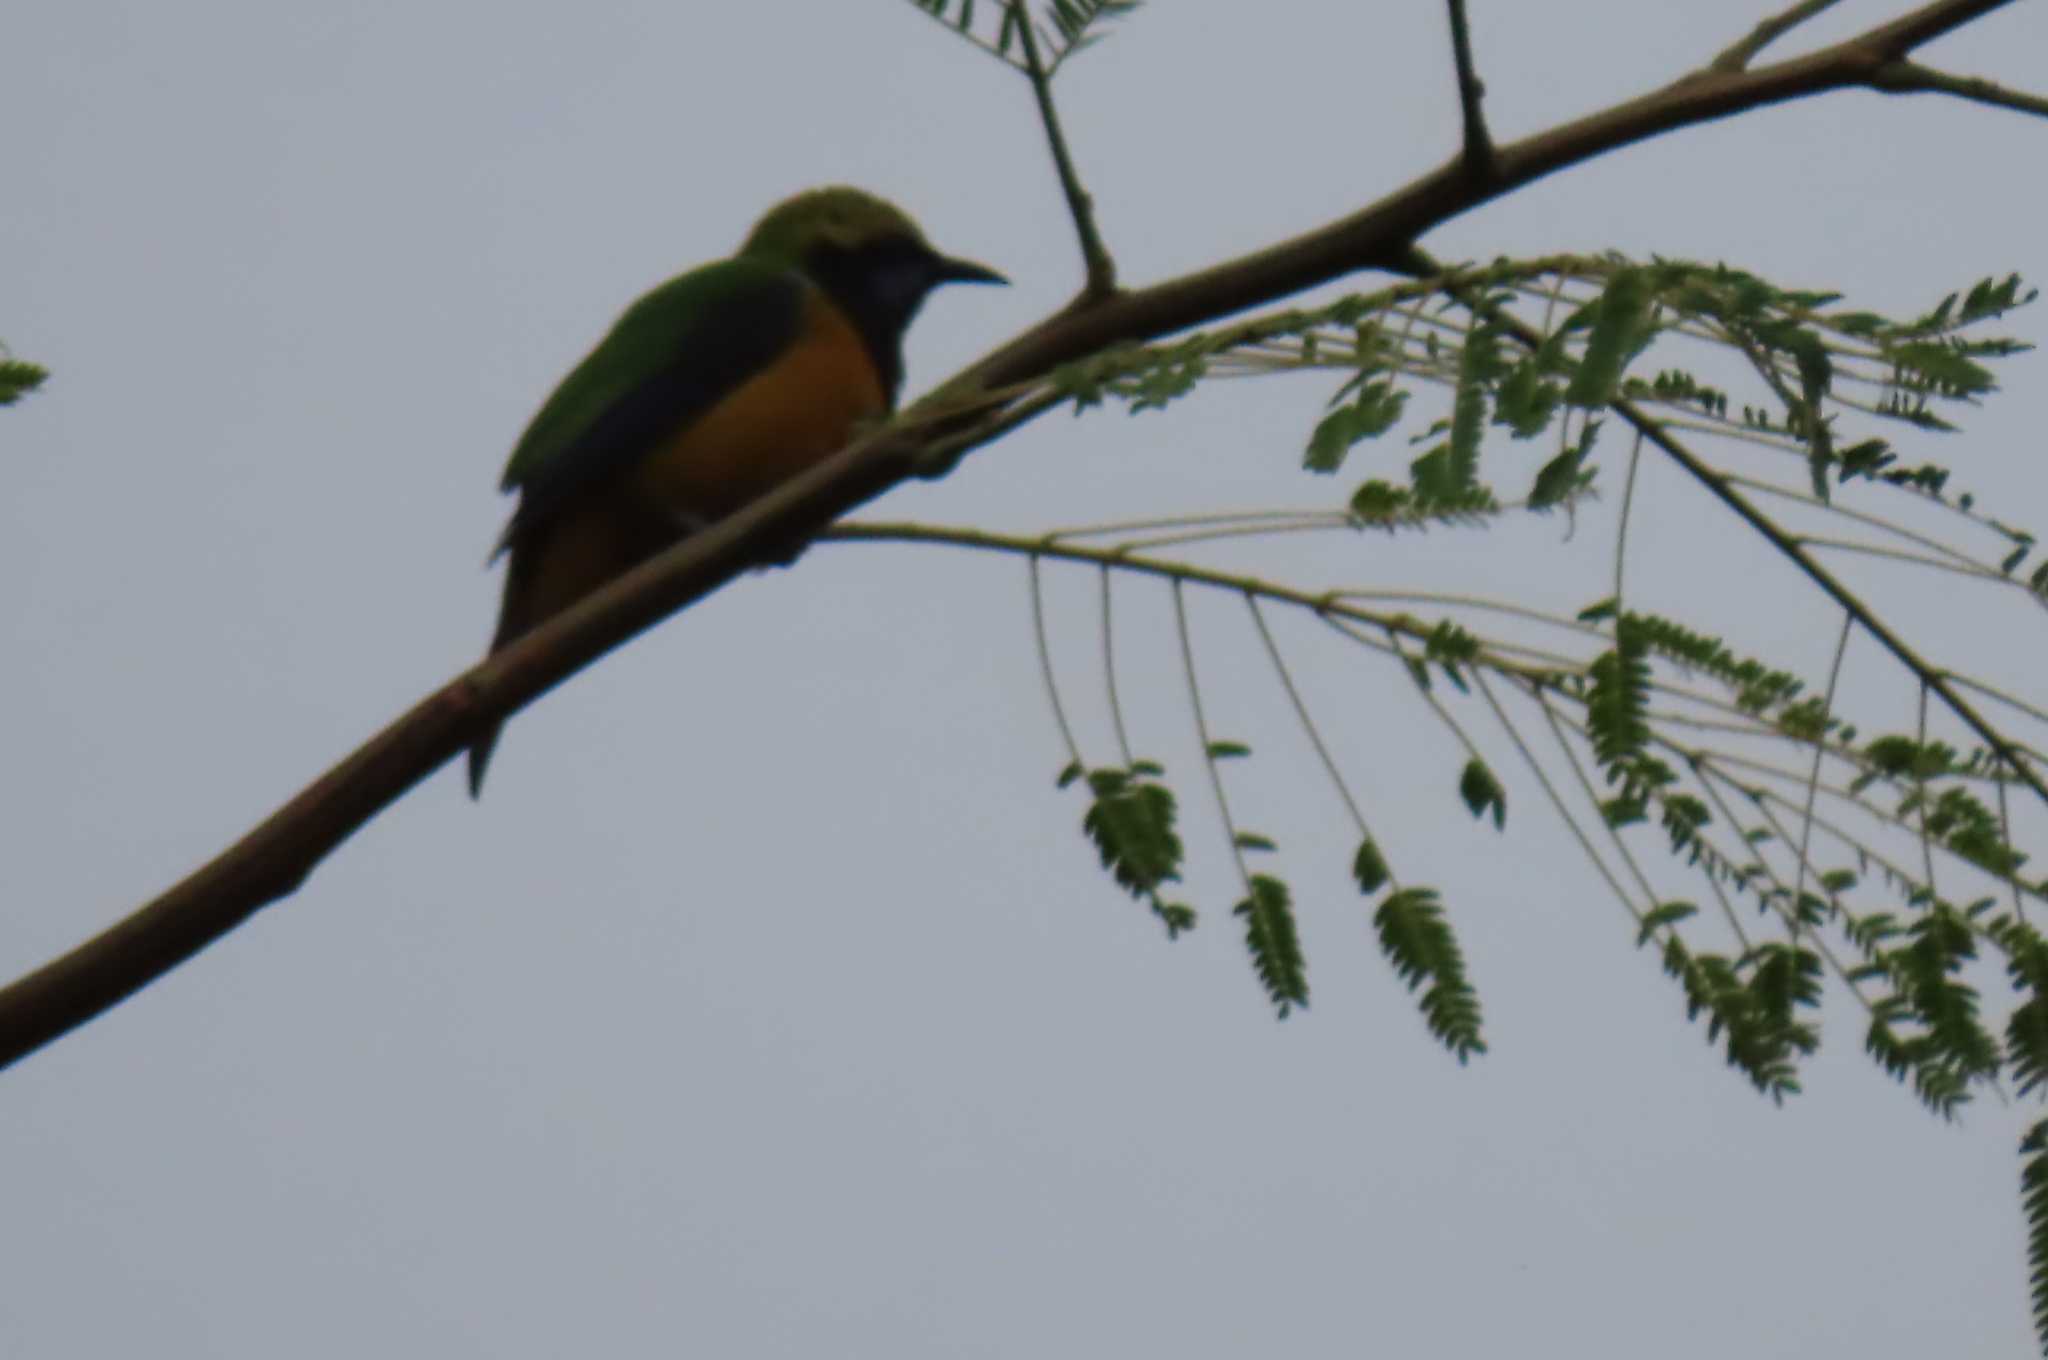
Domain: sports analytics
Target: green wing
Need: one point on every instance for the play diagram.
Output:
(675, 354)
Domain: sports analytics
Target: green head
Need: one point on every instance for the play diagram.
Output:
(866, 254)
(846, 221)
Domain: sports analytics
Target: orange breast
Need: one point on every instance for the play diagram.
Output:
(801, 409)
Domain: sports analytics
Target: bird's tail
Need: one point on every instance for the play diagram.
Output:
(515, 617)
(553, 565)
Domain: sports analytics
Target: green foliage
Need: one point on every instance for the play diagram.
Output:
(1369, 867)
(1675, 387)
(18, 377)
(1438, 481)
(1756, 687)
(1623, 324)
(1662, 915)
(1382, 505)
(1754, 1001)
(1074, 21)
(1799, 349)
(1795, 343)
(1566, 476)
(1527, 397)
(1479, 367)
(2034, 1198)
(1945, 1047)
(1452, 648)
(2026, 1030)
(1823, 376)
(1618, 698)
(1130, 820)
(1275, 946)
(1146, 378)
(1949, 813)
(1483, 793)
(1417, 939)
(1374, 409)
(1069, 26)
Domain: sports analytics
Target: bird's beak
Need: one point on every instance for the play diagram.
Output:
(945, 270)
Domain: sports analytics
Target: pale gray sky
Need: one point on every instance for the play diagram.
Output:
(770, 1004)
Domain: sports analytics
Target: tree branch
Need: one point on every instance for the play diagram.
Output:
(1908, 77)
(1471, 91)
(1101, 268)
(1931, 678)
(272, 860)
(1739, 56)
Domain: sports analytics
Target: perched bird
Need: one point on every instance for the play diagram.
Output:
(710, 390)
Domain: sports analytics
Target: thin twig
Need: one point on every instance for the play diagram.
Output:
(1909, 77)
(1187, 656)
(1542, 698)
(1628, 500)
(1052, 688)
(1930, 677)
(1471, 92)
(1094, 254)
(1975, 571)
(1920, 795)
(1791, 919)
(1738, 57)
(2012, 874)
(1992, 692)
(1116, 708)
(1557, 799)
(1805, 498)
(1308, 723)
(1703, 774)
(1820, 749)
(1418, 672)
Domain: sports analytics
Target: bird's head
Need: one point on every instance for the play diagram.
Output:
(860, 249)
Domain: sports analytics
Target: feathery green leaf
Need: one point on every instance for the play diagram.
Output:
(1270, 935)
(1417, 938)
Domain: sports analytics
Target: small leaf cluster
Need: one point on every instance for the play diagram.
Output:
(1069, 26)
(18, 377)
(1416, 936)
(1144, 377)
(2034, 1199)
(1267, 909)
(1926, 1028)
(1275, 944)
(1754, 1001)
(1755, 686)
(1130, 820)
(1800, 348)
(1947, 812)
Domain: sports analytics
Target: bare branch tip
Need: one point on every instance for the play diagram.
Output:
(1736, 58)
(1095, 255)
(1478, 161)
(1909, 77)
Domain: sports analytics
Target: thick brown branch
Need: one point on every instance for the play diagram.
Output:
(272, 860)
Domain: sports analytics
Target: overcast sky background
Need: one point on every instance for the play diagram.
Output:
(770, 1004)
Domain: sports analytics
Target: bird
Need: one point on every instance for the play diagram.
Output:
(710, 390)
